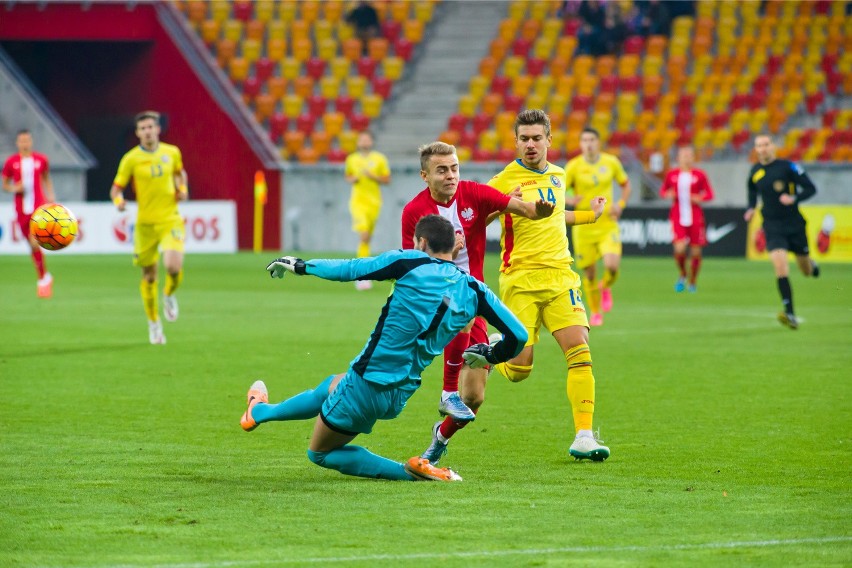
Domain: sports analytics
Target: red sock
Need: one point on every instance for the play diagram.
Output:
(453, 361)
(680, 259)
(695, 265)
(449, 426)
(38, 260)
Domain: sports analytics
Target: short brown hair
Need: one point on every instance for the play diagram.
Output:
(437, 231)
(145, 115)
(590, 130)
(436, 148)
(532, 116)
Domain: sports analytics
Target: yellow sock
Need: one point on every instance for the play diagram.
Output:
(581, 386)
(172, 283)
(149, 299)
(610, 276)
(515, 373)
(363, 250)
(593, 296)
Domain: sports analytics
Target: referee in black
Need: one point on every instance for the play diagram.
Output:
(781, 185)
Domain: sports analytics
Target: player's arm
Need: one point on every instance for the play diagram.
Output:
(705, 192)
(515, 194)
(498, 315)
(181, 185)
(116, 193)
(408, 222)
(122, 178)
(8, 183)
(752, 198)
(47, 184)
(349, 172)
(531, 210)
(667, 191)
(803, 181)
(586, 217)
(381, 175)
(391, 265)
(619, 206)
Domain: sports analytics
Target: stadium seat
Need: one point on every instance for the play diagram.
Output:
(276, 49)
(293, 141)
(351, 49)
(392, 67)
(348, 141)
(633, 45)
(500, 85)
(316, 104)
(238, 69)
(377, 48)
(403, 48)
(329, 87)
(226, 50)
(251, 88)
(450, 137)
(232, 30)
(491, 103)
(488, 66)
(535, 66)
(305, 123)
(307, 155)
(315, 68)
(321, 142)
(467, 105)
(412, 30)
(513, 103)
(290, 68)
(371, 105)
(391, 30)
(359, 122)
(366, 67)
(520, 47)
(303, 86)
(482, 155)
(210, 31)
(263, 69)
(522, 85)
(336, 156)
(513, 66)
(292, 105)
(276, 86)
(481, 122)
(356, 86)
(344, 104)
(339, 67)
(382, 86)
(277, 126)
(327, 49)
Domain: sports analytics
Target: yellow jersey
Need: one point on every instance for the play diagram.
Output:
(589, 180)
(527, 244)
(153, 176)
(365, 190)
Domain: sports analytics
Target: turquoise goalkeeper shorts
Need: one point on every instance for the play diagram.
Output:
(356, 405)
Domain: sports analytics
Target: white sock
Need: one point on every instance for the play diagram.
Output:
(585, 433)
(446, 394)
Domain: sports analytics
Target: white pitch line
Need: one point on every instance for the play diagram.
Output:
(498, 553)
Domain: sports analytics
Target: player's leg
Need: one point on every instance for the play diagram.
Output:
(565, 315)
(610, 251)
(519, 292)
(593, 293)
(799, 247)
(172, 246)
(146, 256)
(451, 403)
(695, 258)
(778, 256)
(679, 244)
(44, 285)
(353, 408)
(302, 406)
(363, 223)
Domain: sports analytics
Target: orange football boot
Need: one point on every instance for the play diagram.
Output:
(257, 393)
(422, 469)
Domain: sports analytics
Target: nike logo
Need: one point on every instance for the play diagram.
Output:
(715, 234)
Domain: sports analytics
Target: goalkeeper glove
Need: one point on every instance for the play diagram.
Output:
(479, 355)
(281, 266)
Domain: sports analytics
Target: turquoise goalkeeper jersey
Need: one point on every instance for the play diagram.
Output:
(431, 302)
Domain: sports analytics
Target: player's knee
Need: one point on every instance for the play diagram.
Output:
(473, 400)
(317, 457)
(516, 373)
(578, 356)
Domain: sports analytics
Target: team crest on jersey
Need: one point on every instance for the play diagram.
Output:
(602, 169)
(165, 159)
(467, 213)
(778, 185)
(555, 181)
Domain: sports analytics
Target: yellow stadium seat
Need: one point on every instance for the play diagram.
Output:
(220, 10)
(423, 11)
(356, 86)
(565, 85)
(232, 30)
(329, 86)
(348, 141)
(371, 105)
(489, 140)
(344, 31)
(513, 66)
(518, 10)
(276, 29)
(292, 105)
(539, 10)
(412, 30)
(543, 47)
(467, 105)
(552, 28)
(535, 101)
(582, 65)
(565, 47)
(290, 68)
(463, 153)
(398, 11)
(479, 86)
(392, 67)
(323, 29)
(327, 49)
(264, 11)
(587, 85)
(251, 50)
(543, 85)
(508, 29)
(504, 121)
(339, 67)
(287, 11)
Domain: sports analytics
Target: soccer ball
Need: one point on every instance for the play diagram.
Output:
(53, 226)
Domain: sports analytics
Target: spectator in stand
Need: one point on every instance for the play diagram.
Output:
(590, 35)
(365, 20)
(614, 30)
(654, 18)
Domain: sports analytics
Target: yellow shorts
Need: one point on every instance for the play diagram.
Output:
(364, 216)
(148, 240)
(549, 296)
(591, 247)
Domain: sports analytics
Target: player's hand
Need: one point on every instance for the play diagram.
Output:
(460, 242)
(543, 209)
(748, 215)
(597, 205)
(787, 199)
(479, 355)
(281, 266)
(181, 195)
(517, 193)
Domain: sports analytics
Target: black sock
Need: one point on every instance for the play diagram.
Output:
(786, 294)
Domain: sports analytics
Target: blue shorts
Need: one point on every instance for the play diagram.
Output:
(355, 405)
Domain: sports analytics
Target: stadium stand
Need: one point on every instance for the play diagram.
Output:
(721, 76)
(302, 71)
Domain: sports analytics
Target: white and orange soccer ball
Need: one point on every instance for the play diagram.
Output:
(53, 226)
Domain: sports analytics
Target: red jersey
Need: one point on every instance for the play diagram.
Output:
(29, 171)
(685, 184)
(467, 211)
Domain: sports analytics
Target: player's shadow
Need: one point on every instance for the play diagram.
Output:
(75, 350)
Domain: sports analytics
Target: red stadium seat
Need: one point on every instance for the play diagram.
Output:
(403, 48)
(720, 119)
(468, 139)
(581, 103)
(366, 67)
(500, 85)
(506, 154)
(344, 104)
(305, 123)
(535, 66)
(686, 136)
(336, 156)
(739, 139)
(391, 30)
(481, 155)
(513, 103)
(521, 47)
(633, 45)
(572, 26)
(812, 102)
(632, 139)
(251, 87)
(630, 84)
(829, 118)
(317, 105)
(739, 101)
(773, 64)
(315, 68)
(243, 10)
(277, 126)
(617, 139)
(649, 102)
(457, 122)
(480, 122)
(263, 69)
(608, 84)
(382, 87)
(359, 122)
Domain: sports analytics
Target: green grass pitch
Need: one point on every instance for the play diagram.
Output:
(730, 434)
